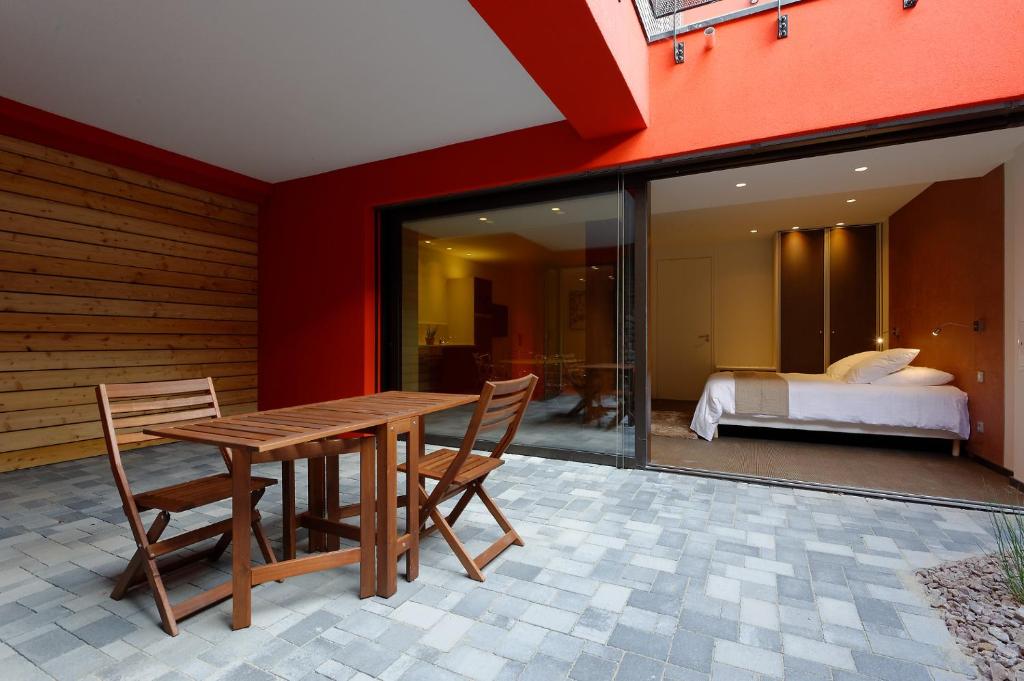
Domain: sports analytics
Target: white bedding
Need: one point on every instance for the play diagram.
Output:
(818, 397)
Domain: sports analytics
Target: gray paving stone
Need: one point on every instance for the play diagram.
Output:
(591, 668)
(637, 668)
(692, 651)
(640, 641)
(545, 668)
(105, 631)
(48, 645)
(889, 669)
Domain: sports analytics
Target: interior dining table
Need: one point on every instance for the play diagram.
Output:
(279, 435)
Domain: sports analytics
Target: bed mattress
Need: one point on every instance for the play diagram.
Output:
(821, 398)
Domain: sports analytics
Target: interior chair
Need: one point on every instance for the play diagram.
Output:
(502, 405)
(125, 409)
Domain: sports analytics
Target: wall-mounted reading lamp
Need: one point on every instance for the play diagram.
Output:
(976, 325)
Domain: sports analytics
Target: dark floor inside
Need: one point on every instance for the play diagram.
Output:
(891, 464)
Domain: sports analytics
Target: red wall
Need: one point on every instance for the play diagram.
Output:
(946, 265)
(846, 62)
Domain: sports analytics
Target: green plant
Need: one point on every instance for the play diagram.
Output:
(1009, 531)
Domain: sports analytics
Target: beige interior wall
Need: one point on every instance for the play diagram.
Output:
(446, 294)
(1014, 314)
(743, 289)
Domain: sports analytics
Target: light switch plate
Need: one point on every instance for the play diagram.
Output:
(981, 377)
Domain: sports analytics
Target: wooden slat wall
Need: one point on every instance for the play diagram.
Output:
(110, 275)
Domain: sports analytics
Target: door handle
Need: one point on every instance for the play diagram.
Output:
(705, 336)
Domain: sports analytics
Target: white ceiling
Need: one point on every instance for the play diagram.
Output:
(561, 230)
(735, 222)
(902, 165)
(274, 90)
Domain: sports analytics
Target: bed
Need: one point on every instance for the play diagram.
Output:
(820, 402)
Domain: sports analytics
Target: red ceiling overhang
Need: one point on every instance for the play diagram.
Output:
(589, 57)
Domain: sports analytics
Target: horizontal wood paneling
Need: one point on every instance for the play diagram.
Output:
(111, 275)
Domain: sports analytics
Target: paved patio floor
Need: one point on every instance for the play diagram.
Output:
(625, 575)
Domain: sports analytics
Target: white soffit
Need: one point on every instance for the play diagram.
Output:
(274, 90)
(901, 165)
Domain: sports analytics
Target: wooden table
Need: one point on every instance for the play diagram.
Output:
(279, 435)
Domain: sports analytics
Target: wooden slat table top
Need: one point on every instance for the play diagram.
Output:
(268, 430)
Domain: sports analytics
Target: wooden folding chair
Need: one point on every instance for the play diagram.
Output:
(127, 408)
(502, 404)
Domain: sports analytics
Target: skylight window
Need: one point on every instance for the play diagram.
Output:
(660, 18)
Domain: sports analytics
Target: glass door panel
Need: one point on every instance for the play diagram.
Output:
(535, 288)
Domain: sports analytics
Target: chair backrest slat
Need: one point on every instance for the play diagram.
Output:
(500, 423)
(130, 406)
(164, 417)
(510, 399)
(157, 388)
(493, 415)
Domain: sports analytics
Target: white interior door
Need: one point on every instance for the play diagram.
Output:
(682, 328)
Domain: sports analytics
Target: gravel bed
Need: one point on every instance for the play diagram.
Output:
(984, 618)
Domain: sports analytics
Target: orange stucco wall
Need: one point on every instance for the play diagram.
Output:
(846, 62)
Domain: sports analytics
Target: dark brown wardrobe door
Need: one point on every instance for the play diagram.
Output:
(853, 290)
(802, 301)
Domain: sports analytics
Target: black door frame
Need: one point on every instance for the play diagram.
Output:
(636, 177)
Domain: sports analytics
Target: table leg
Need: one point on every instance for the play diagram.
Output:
(412, 498)
(387, 493)
(315, 480)
(288, 512)
(241, 543)
(333, 507)
(367, 521)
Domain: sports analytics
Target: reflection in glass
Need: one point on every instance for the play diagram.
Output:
(535, 288)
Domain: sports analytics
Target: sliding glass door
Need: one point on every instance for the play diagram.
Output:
(499, 289)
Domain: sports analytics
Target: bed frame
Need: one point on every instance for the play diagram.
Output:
(838, 427)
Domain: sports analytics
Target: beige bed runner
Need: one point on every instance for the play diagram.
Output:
(761, 393)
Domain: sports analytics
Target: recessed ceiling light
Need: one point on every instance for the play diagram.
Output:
(840, 224)
(469, 254)
(582, 279)
(753, 231)
(593, 267)
(860, 169)
(851, 200)
(427, 241)
(795, 227)
(448, 249)
(483, 219)
(741, 184)
(556, 209)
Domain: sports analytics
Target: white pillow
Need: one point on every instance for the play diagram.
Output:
(916, 376)
(884, 363)
(839, 369)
